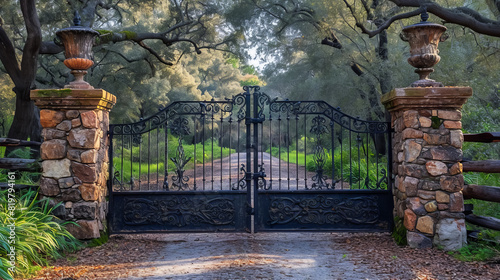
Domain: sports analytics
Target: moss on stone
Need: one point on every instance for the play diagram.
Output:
(54, 92)
(436, 122)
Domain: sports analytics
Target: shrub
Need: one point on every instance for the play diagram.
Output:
(39, 235)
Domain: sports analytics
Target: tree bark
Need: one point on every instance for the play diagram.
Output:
(26, 123)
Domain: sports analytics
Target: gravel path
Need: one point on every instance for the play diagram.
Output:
(295, 255)
(258, 256)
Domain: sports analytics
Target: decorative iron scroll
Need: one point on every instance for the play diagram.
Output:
(322, 210)
(178, 211)
(318, 128)
(334, 114)
(381, 184)
(181, 108)
(241, 184)
(180, 128)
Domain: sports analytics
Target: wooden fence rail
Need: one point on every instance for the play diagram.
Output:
(487, 137)
(19, 164)
(486, 193)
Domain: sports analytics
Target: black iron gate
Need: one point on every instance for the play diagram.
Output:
(250, 163)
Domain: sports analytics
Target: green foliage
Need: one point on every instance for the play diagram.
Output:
(39, 235)
(476, 251)
(96, 242)
(399, 232)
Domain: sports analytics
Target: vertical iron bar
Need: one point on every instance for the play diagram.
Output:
(288, 147)
(270, 151)
(297, 148)
(305, 152)
(149, 156)
(367, 159)
(221, 134)
(350, 154)
(229, 153)
(131, 163)
(239, 151)
(376, 156)
(279, 150)
(195, 150)
(359, 160)
(165, 163)
(203, 148)
(157, 158)
(121, 169)
(255, 152)
(388, 134)
(212, 159)
(341, 137)
(110, 179)
(248, 178)
(332, 124)
(140, 160)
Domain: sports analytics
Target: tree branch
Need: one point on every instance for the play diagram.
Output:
(155, 54)
(8, 57)
(461, 16)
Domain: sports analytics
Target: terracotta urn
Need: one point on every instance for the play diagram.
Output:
(424, 38)
(78, 42)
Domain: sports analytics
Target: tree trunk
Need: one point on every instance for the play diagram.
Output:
(26, 121)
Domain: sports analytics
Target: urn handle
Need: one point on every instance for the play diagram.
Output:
(403, 36)
(444, 37)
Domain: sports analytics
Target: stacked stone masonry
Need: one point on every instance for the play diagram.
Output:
(428, 180)
(74, 149)
(75, 160)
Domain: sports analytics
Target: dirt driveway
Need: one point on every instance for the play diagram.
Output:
(263, 256)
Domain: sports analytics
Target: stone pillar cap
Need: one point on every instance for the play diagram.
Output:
(426, 98)
(73, 99)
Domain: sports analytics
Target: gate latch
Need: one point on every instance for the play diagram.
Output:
(254, 120)
(258, 175)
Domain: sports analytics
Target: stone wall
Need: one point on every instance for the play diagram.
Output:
(427, 151)
(74, 156)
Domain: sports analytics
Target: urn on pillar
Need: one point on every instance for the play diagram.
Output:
(78, 42)
(424, 38)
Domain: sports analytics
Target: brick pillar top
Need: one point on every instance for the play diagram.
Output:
(73, 99)
(426, 98)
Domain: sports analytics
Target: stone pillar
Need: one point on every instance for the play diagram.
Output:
(75, 155)
(427, 151)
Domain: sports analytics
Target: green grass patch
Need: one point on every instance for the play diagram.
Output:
(488, 244)
(476, 251)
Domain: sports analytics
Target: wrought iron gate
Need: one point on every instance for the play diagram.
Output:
(249, 162)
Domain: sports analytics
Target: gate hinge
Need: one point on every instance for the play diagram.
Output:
(254, 120)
